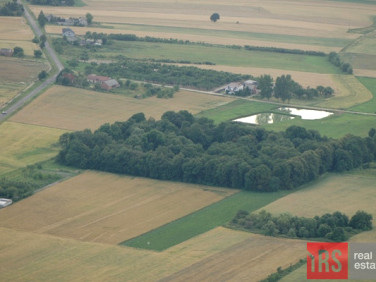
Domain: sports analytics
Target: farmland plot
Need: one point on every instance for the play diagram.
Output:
(107, 208)
(77, 109)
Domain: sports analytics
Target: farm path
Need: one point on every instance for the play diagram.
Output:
(51, 80)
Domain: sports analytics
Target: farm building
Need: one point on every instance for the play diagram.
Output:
(105, 82)
(234, 87)
(6, 52)
(5, 202)
(69, 34)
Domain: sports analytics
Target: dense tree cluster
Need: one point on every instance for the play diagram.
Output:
(335, 226)
(25, 183)
(52, 2)
(11, 9)
(186, 76)
(285, 88)
(284, 50)
(184, 148)
(336, 60)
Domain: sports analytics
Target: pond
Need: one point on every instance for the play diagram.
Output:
(305, 113)
(264, 118)
(286, 114)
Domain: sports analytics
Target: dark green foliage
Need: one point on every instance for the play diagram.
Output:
(186, 76)
(52, 2)
(42, 75)
(11, 9)
(214, 17)
(329, 226)
(284, 50)
(89, 18)
(37, 53)
(42, 20)
(361, 220)
(266, 86)
(18, 52)
(22, 183)
(181, 147)
(336, 60)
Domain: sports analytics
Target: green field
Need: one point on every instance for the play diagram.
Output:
(370, 106)
(202, 221)
(200, 53)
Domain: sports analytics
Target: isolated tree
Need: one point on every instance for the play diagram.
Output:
(283, 87)
(18, 52)
(214, 17)
(42, 75)
(266, 86)
(361, 220)
(89, 18)
(42, 20)
(37, 53)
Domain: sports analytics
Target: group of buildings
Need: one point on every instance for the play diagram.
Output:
(71, 37)
(6, 52)
(235, 87)
(81, 21)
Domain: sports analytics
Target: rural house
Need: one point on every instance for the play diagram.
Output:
(69, 34)
(6, 52)
(234, 87)
(105, 82)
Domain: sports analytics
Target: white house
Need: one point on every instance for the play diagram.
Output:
(234, 87)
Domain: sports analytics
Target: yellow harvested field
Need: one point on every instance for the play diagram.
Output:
(107, 208)
(212, 39)
(16, 74)
(366, 73)
(343, 192)
(14, 28)
(40, 257)
(349, 91)
(77, 109)
(304, 78)
(250, 260)
(23, 144)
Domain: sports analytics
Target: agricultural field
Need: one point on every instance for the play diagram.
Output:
(309, 25)
(24, 144)
(62, 258)
(16, 75)
(107, 208)
(77, 109)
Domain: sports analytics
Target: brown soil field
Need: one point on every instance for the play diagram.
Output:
(107, 208)
(40, 257)
(366, 73)
(77, 109)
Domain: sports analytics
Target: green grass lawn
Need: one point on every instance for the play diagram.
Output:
(237, 108)
(217, 55)
(202, 221)
(370, 106)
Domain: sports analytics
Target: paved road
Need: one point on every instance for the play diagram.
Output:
(51, 52)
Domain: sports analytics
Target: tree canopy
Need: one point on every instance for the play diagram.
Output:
(214, 17)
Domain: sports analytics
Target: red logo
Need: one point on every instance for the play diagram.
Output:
(327, 261)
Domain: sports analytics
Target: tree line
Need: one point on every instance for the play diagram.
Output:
(335, 59)
(11, 9)
(285, 88)
(183, 148)
(53, 2)
(336, 226)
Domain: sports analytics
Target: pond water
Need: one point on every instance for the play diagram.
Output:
(264, 118)
(306, 114)
(288, 114)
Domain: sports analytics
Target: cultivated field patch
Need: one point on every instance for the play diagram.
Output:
(77, 109)
(16, 74)
(23, 144)
(14, 28)
(107, 208)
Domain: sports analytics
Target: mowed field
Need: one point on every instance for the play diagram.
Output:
(23, 144)
(310, 25)
(347, 193)
(77, 109)
(107, 208)
(16, 74)
(62, 259)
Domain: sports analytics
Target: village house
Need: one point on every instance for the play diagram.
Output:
(6, 52)
(234, 87)
(105, 82)
(69, 34)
